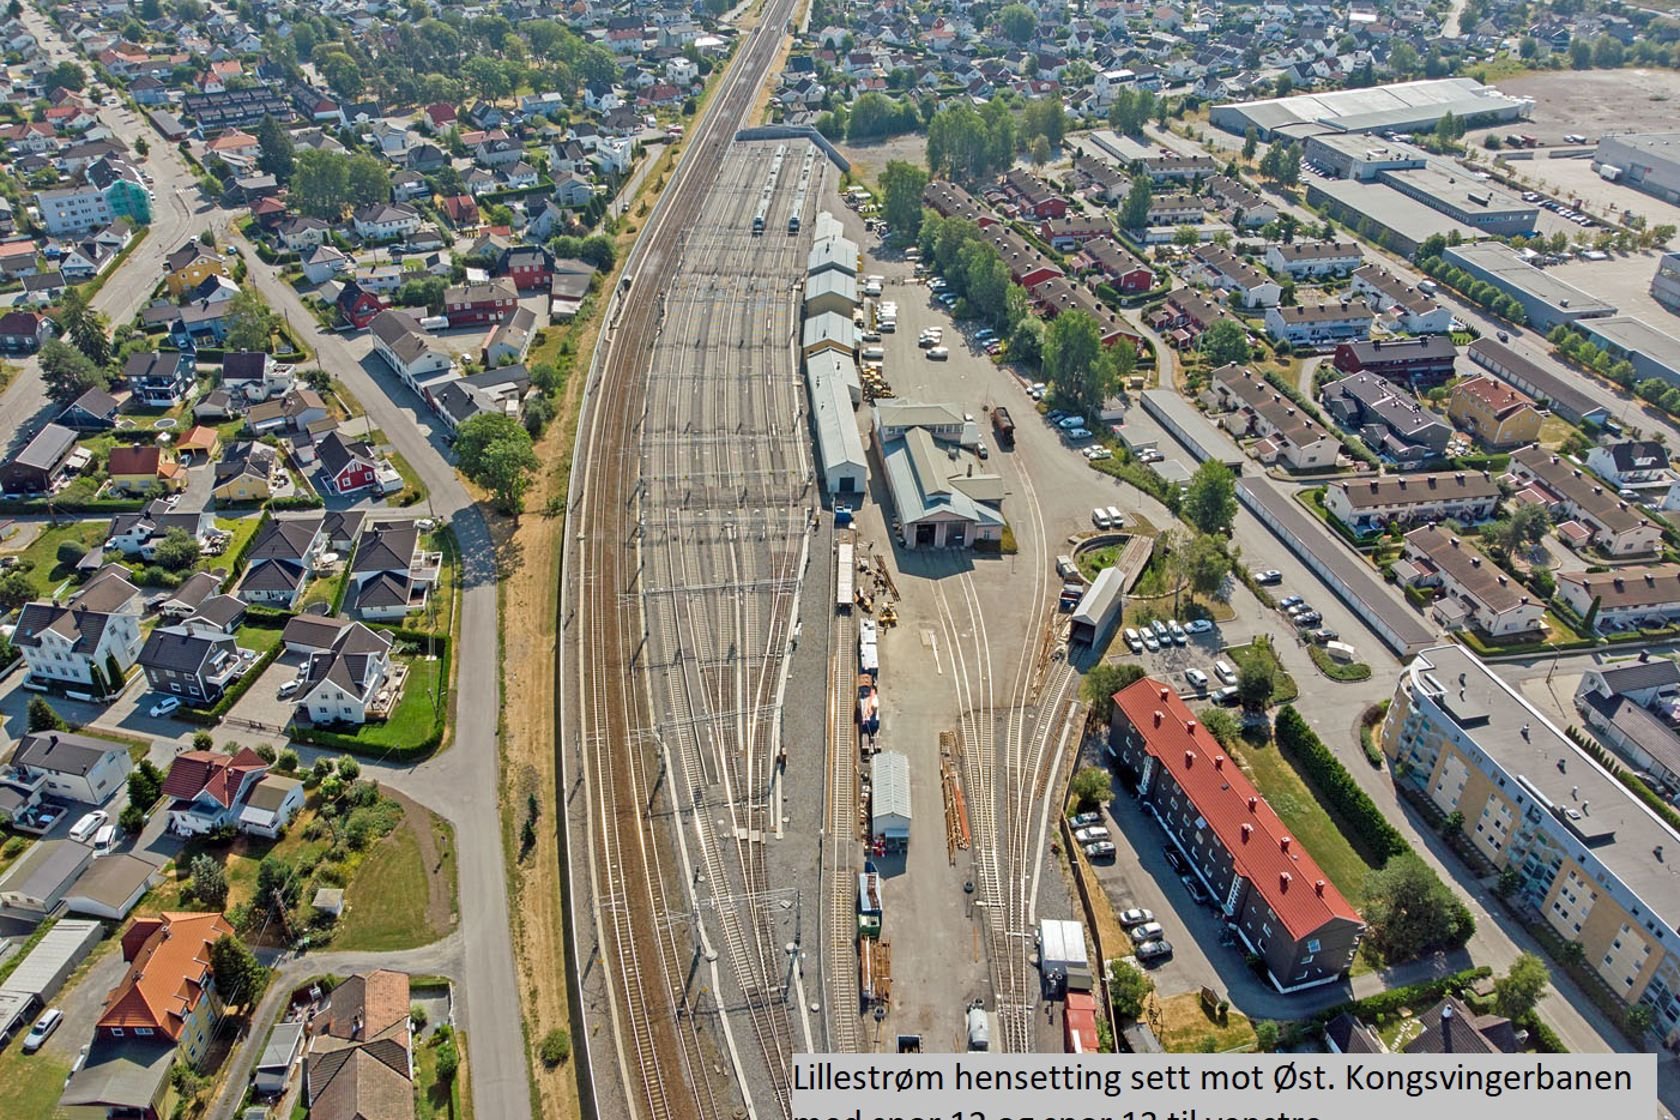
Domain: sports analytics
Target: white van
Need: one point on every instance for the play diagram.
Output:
(873, 354)
(88, 825)
(1115, 518)
(1099, 518)
(1225, 671)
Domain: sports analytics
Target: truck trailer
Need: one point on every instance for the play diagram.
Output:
(1004, 426)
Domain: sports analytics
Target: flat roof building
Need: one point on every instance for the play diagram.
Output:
(1268, 886)
(1359, 157)
(1648, 161)
(1397, 107)
(1454, 193)
(1653, 352)
(1545, 299)
(1590, 858)
(1383, 214)
(1665, 283)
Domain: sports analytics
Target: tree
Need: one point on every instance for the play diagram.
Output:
(249, 323)
(1204, 565)
(15, 590)
(1251, 142)
(1266, 1035)
(145, 784)
(1210, 503)
(1104, 680)
(178, 550)
(1026, 342)
(238, 975)
(1522, 986)
(69, 554)
(1134, 212)
(448, 1060)
(277, 887)
(556, 1047)
(1580, 54)
(1039, 153)
(494, 451)
(1074, 361)
(42, 717)
(1018, 23)
(875, 116)
(342, 74)
(1091, 786)
(66, 75)
(209, 881)
(1256, 680)
(87, 329)
(276, 156)
(1128, 988)
(1187, 236)
(1403, 59)
(68, 372)
(902, 184)
(1409, 909)
(1225, 343)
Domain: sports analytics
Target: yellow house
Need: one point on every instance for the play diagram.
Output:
(246, 474)
(1494, 413)
(186, 268)
(139, 469)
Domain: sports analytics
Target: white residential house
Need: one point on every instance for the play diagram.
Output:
(385, 221)
(613, 155)
(423, 363)
(74, 643)
(343, 684)
(391, 575)
(71, 767)
(270, 805)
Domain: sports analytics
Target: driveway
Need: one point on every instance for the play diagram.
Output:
(261, 705)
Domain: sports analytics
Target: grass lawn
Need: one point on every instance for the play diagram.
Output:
(1397, 1033)
(1289, 795)
(1184, 1025)
(1284, 688)
(33, 1083)
(323, 589)
(412, 721)
(410, 477)
(385, 907)
(243, 529)
(260, 638)
(440, 604)
(1092, 561)
(41, 557)
(433, 1099)
(12, 849)
(1554, 430)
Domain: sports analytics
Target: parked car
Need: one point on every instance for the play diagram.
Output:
(42, 1030)
(289, 688)
(1198, 626)
(1151, 642)
(1068, 423)
(1090, 834)
(1289, 601)
(1136, 916)
(1156, 950)
(1308, 619)
(1100, 849)
(1161, 632)
(1075, 435)
(939, 354)
(1324, 634)
(88, 825)
(1179, 637)
(1225, 697)
(1197, 894)
(1196, 679)
(1269, 576)
(1134, 641)
(1225, 671)
(1175, 860)
(1097, 454)
(1148, 931)
(1085, 820)
(104, 840)
(165, 706)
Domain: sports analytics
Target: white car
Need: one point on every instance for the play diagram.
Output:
(1074, 435)
(1151, 642)
(1091, 834)
(939, 354)
(1134, 642)
(289, 688)
(42, 1030)
(1068, 423)
(1225, 671)
(1197, 679)
(1136, 916)
(104, 840)
(165, 706)
(1198, 626)
(1177, 632)
(88, 825)
(1148, 931)
(1097, 454)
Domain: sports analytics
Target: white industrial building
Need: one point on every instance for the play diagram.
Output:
(1649, 161)
(1665, 285)
(39, 976)
(889, 800)
(1397, 107)
(840, 454)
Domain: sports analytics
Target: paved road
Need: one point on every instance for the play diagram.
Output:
(461, 784)
(178, 214)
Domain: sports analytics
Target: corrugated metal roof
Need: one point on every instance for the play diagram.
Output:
(890, 785)
(43, 967)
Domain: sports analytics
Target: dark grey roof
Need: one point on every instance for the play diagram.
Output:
(336, 452)
(63, 751)
(183, 650)
(386, 547)
(1639, 455)
(1636, 676)
(286, 540)
(1350, 1036)
(342, 524)
(315, 629)
(221, 611)
(120, 1073)
(1641, 727)
(48, 449)
(1450, 1027)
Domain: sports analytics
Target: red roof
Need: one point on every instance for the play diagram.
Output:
(1264, 853)
(169, 959)
(1079, 1020)
(219, 775)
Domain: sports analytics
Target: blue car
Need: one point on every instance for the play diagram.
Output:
(1290, 601)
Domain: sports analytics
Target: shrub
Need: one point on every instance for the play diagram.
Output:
(1369, 831)
(556, 1047)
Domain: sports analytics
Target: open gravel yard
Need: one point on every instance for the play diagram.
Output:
(1593, 102)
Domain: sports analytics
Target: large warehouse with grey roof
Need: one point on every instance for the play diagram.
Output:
(1400, 107)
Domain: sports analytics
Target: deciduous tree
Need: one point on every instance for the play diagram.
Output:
(1210, 503)
(1522, 986)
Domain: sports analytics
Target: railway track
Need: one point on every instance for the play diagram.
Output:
(659, 1058)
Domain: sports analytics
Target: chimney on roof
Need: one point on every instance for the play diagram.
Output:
(1475, 561)
(1219, 762)
(1253, 804)
(1159, 717)
(1190, 727)
(1164, 691)
(1189, 759)
(1284, 842)
(1446, 1012)
(1318, 888)
(1247, 831)
(1283, 881)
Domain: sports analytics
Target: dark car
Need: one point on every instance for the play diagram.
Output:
(1197, 894)
(1153, 951)
(1176, 861)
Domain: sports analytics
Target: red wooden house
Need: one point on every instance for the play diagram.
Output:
(527, 266)
(358, 305)
(349, 465)
(473, 304)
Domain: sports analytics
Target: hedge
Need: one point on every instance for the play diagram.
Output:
(297, 501)
(1421, 994)
(96, 506)
(237, 567)
(1369, 831)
